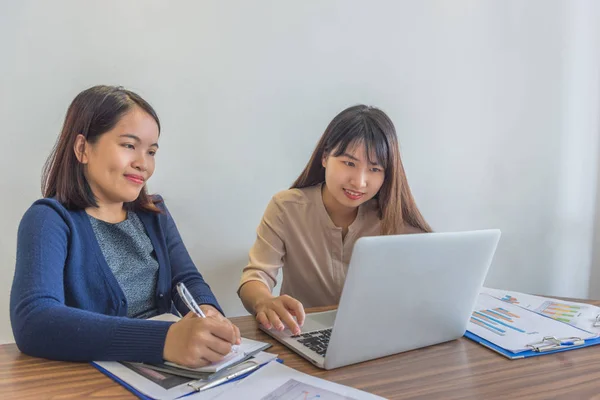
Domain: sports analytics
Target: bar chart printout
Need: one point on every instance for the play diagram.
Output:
(580, 315)
(496, 320)
(509, 299)
(513, 328)
(560, 311)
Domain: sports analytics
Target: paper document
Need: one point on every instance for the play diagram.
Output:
(292, 390)
(513, 328)
(580, 315)
(166, 317)
(276, 381)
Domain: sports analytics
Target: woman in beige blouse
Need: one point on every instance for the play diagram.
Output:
(354, 185)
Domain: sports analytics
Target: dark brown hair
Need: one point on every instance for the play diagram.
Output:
(371, 127)
(92, 113)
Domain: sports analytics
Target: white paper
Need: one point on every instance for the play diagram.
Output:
(166, 317)
(276, 381)
(513, 328)
(580, 315)
(293, 390)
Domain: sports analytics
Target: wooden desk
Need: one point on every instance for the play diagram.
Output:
(456, 370)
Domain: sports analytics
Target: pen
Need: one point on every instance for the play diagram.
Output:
(189, 301)
(572, 343)
(229, 377)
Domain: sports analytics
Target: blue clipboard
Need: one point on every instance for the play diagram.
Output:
(121, 382)
(528, 353)
(144, 397)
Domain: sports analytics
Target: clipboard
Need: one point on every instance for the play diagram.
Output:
(508, 329)
(528, 353)
(145, 397)
(121, 382)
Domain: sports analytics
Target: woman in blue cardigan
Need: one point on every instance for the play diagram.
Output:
(97, 255)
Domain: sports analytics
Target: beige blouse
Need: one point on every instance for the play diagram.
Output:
(297, 234)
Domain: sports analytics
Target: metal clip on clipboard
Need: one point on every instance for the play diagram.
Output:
(597, 322)
(549, 343)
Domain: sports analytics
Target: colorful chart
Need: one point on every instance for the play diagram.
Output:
(509, 299)
(497, 320)
(559, 311)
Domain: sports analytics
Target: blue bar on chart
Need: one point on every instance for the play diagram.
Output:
(495, 320)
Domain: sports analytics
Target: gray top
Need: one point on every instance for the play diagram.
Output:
(130, 255)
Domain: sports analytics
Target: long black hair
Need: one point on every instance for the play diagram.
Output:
(371, 127)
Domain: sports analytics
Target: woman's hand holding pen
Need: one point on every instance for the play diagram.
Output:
(210, 311)
(274, 312)
(206, 341)
(195, 342)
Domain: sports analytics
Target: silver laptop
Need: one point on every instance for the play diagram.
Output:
(401, 293)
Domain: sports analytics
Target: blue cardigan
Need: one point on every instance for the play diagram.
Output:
(66, 304)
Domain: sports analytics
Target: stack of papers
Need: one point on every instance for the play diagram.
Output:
(579, 315)
(513, 323)
(151, 383)
(513, 328)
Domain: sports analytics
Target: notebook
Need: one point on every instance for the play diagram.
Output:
(246, 349)
(260, 357)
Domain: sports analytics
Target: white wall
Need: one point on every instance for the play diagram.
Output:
(495, 103)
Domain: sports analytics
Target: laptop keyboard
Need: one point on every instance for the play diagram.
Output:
(317, 341)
